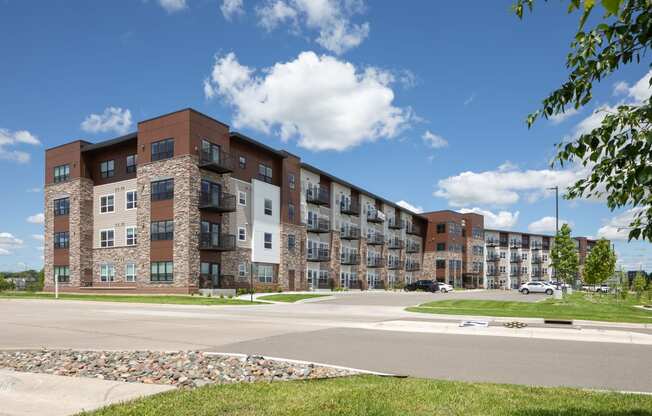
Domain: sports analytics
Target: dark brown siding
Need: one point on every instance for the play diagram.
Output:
(161, 250)
(432, 237)
(162, 210)
(203, 127)
(61, 223)
(119, 154)
(70, 154)
(291, 165)
(171, 126)
(61, 257)
(254, 155)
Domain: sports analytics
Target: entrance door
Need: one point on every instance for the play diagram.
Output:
(215, 275)
(291, 280)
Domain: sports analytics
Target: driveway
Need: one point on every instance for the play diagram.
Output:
(400, 298)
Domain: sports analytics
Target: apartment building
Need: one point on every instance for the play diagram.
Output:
(184, 204)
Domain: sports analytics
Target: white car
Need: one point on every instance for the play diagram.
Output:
(536, 287)
(445, 287)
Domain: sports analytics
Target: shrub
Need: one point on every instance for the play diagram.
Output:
(639, 286)
(6, 285)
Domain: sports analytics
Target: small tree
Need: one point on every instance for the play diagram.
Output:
(6, 284)
(639, 285)
(564, 256)
(600, 264)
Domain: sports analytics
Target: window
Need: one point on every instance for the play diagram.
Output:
(524, 256)
(292, 242)
(163, 149)
(107, 238)
(264, 173)
(107, 204)
(242, 269)
(291, 181)
(265, 273)
(210, 152)
(441, 246)
(61, 173)
(61, 206)
(130, 273)
(441, 228)
(242, 234)
(242, 161)
(161, 271)
(107, 168)
(162, 230)
(290, 211)
(107, 272)
(242, 198)
(502, 254)
(131, 163)
(132, 199)
(62, 274)
(61, 240)
(440, 264)
(268, 241)
(162, 189)
(268, 207)
(130, 236)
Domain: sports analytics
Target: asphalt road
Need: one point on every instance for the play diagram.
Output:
(343, 332)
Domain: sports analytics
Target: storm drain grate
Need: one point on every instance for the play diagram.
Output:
(557, 322)
(515, 324)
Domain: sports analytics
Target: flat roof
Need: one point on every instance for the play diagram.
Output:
(110, 142)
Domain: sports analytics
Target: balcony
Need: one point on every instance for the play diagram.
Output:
(321, 254)
(217, 242)
(375, 216)
(536, 246)
(374, 262)
(349, 259)
(217, 202)
(514, 244)
(213, 281)
(413, 229)
(492, 243)
(395, 244)
(493, 257)
(393, 265)
(352, 208)
(395, 224)
(221, 162)
(537, 260)
(412, 247)
(350, 233)
(319, 225)
(375, 239)
(515, 259)
(318, 196)
(412, 266)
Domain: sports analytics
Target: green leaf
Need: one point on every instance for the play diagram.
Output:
(611, 6)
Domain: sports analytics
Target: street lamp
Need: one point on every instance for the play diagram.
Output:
(556, 189)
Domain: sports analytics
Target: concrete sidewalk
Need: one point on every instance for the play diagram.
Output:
(23, 394)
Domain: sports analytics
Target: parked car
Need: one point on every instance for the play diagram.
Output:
(536, 287)
(445, 287)
(425, 285)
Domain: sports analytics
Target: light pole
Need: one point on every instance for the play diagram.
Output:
(556, 189)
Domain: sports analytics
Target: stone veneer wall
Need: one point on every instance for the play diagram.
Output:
(295, 259)
(119, 257)
(335, 260)
(229, 264)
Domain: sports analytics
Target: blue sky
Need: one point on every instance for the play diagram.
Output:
(430, 98)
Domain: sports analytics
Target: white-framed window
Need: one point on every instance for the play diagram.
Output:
(131, 198)
(242, 234)
(107, 272)
(107, 238)
(242, 269)
(107, 203)
(268, 241)
(265, 273)
(131, 239)
(291, 181)
(130, 272)
(268, 207)
(242, 198)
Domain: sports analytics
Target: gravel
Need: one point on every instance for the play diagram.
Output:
(185, 369)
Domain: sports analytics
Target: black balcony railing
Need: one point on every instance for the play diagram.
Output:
(352, 208)
(375, 239)
(217, 202)
(319, 225)
(321, 254)
(350, 259)
(395, 224)
(412, 266)
(537, 260)
(394, 265)
(515, 259)
(412, 247)
(413, 229)
(493, 257)
(220, 162)
(395, 244)
(514, 244)
(375, 262)
(217, 242)
(492, 243)
(318, 196)
(350, 233)
(536, 246)
(210, 281)
(375, 216)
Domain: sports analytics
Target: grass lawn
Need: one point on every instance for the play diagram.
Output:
(371, 395)
(290, 297)
(579, 305)
(165, 299)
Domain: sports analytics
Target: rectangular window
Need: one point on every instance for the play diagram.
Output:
(242, 198)
(62, 274)
(440, 264)
(130, 273)
(242, 161)
(132, 199)
(163, 149)
(291, 181)
(107, 272)
(107, 238)
(107, 204)
(441, 228)
(62, 206)
(265, 273)
(162, 230)
(131, 163)
(268, 207)
(161, 271)
(292, 241)
(107, 168)
(242, 269)
(61, 240)
(268, 241)
(441, 246)
(264, 173)
(290, 211)
(61, 173)
(210, 152)
(130, 236)
(242, 234)
(162, 189)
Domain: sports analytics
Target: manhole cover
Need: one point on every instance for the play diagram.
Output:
(515, 324)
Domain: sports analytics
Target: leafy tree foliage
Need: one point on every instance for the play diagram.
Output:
(619, 151)
(639, 285)
(564, 256)
(600, 264)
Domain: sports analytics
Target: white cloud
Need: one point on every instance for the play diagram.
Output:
(409, 206)
(507, 166)
(9, 139)
(501, 220)
(561, 117)
(503, 187)
(469, 100)
(617, 228)
(34, 190)
(325, 103)
(113, 119)
(638, 92)
(172, 6)
(36, 218)
(433, 140)
(231, 8)
(9, 242)
(546, 225)
(331, 18)
(38, 237)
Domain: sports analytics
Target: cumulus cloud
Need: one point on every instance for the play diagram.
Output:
(8, 242)
(503, 220)
(330, 18)
(561, 117)
(638, 92)
(546, 225)
(325, 103)
(113, 119)
(232, 8)
(409, 206)
(433, 140)
(38, 237)
(617, 228)
(36, 218)
(172, 6)
(10, 139)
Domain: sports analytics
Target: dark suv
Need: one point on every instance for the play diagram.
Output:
(425, 285)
